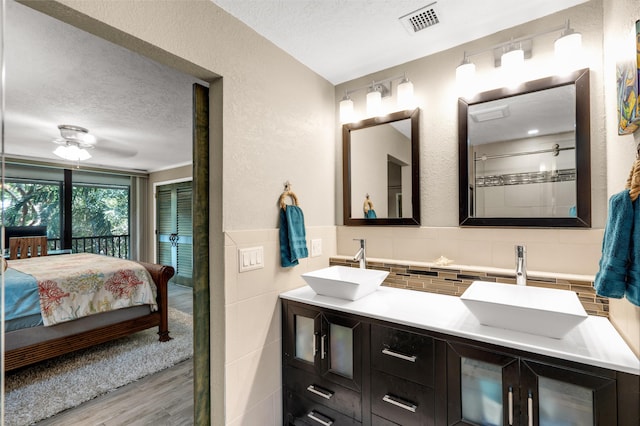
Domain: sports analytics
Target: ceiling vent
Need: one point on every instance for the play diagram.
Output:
(421, 19)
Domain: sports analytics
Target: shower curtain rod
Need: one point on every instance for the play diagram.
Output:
(555, 150)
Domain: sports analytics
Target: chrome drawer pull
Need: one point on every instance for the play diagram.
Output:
(398, 403)
(410, 358)
(530, 409)
(322, 344)
(323, 420)
(319, 391)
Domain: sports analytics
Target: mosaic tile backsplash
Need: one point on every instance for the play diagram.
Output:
(454, 281)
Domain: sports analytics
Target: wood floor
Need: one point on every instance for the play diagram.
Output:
(164, 398)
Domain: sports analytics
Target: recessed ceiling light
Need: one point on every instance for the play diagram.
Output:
(533, 132)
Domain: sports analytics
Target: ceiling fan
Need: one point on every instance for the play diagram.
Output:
(74, 143)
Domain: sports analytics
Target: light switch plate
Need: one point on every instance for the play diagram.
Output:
(250, 258)
(316, 247)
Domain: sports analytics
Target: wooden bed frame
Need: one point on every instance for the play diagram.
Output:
(42, 343)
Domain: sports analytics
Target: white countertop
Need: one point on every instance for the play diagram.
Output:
(593, 342)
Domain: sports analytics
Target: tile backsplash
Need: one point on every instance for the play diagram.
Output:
(454, 280)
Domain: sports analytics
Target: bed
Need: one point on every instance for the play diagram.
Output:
(90, 320)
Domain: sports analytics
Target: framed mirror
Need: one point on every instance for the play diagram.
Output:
(381, 170)
(524, 155)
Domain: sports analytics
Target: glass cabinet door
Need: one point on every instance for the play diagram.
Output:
(341, 350)
(482, 387)
(302, 338)
(560, 396)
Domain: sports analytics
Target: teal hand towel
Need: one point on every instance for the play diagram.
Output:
(293, 242)
(611, 279)
(633, 278)
(371, 214)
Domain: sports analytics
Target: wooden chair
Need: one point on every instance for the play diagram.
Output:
(23, 247)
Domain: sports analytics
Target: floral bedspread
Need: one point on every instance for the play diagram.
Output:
(76, 285)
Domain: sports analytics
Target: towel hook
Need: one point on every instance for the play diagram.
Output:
(287, 193)
(633, 181)
(368, 204)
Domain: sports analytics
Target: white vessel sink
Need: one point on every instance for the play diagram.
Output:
(345, 282)
(542, 311)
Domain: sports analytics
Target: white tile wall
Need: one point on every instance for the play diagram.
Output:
(253, 392)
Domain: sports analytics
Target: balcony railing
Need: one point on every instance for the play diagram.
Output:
(110, 245)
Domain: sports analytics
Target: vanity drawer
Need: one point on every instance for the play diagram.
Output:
(379, 421)
(303, 411)
(402, 401)
(403, 354)
(324, 392)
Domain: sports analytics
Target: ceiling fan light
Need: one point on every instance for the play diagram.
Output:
(75, 133)
(72, 153)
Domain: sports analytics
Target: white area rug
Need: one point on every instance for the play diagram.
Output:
(45, 389)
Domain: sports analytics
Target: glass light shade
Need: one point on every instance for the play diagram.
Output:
(513, 60)
(346, 110)
(465, 71)
(374, 103)
(465, 78)
(405, 94)
(72, 153)
(568, 51)
(512, 67)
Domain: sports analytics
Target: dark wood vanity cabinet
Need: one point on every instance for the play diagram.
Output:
(342, 369)
(322, 366)
(489, 386)
(402, 376)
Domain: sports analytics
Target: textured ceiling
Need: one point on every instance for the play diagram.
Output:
(140, 111)
(346, 39)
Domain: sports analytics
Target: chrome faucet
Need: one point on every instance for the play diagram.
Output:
(521, 265)
(361, 255)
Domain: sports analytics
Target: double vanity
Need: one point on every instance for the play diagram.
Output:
(401, 357)
(485, 354)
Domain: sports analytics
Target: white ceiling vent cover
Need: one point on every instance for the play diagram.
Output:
(421, 19)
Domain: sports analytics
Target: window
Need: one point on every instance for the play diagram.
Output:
(34, 203)
(100, 220)
(98, 206)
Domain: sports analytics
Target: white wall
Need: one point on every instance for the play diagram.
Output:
(277, 120)
(436, 94)
(619, 45)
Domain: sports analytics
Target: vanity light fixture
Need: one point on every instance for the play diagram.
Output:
(512, 59)
(405, 93)
(346, 109)
(376, 91)
(512, 53)
(567, 48)
(374, 101)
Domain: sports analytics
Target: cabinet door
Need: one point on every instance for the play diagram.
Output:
(341, 350)
(553, 395)
(482, 386)
(301, 338)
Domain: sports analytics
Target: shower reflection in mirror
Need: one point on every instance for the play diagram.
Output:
(524, 156)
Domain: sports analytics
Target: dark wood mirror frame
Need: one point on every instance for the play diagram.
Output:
(583, 158)
(414, 220)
